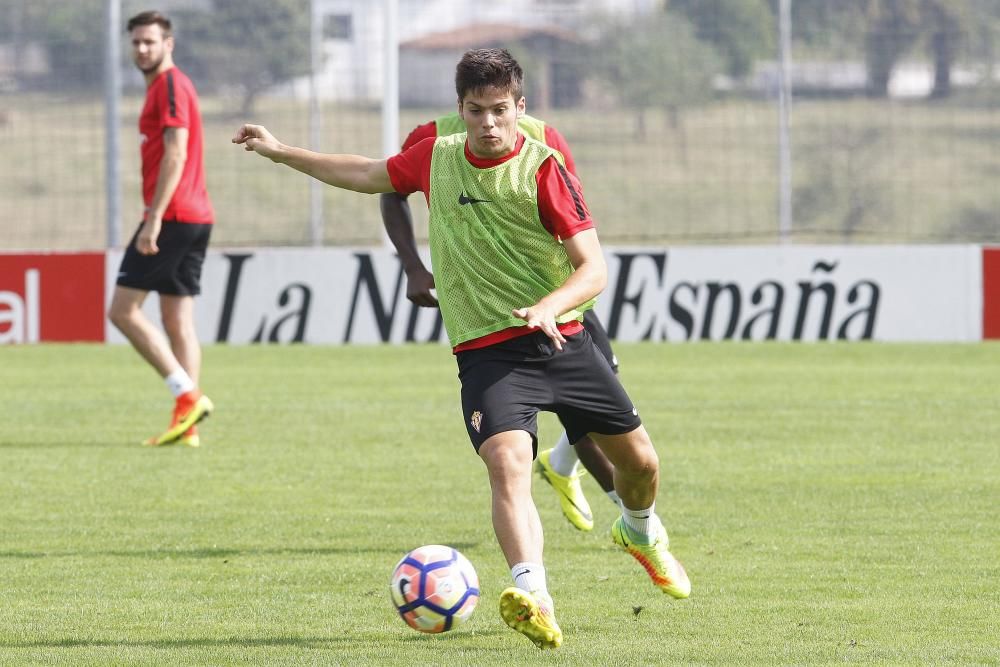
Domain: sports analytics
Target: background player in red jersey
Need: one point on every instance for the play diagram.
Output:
(167, 251)
(557, 465)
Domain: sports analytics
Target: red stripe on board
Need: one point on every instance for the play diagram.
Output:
(51, 297)
(991, 293)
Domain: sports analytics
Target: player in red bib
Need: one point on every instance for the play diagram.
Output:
(167, 251)
(516, 263)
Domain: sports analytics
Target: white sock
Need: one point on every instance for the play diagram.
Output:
(529, 577)
(643, 522)
(613, 495)
(563, 457)
(179, 382)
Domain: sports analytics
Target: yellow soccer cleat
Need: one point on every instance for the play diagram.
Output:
(190, 438)
(574, 504)
(666, 571)
(532, 616)
(154, 441)
(189, 409)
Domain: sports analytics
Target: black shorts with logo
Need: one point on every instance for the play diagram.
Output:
(600, 337)
(176, 269)
(505, 385)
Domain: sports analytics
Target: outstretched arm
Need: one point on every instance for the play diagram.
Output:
(399, 227)
(349, 172)
(589, 277)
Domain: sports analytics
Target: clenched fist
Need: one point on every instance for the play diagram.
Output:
(256, 138)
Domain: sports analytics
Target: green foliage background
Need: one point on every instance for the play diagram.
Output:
(248, 44)
(667, 155)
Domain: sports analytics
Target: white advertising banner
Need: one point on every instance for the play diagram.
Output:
(322, 295)
(807, 293)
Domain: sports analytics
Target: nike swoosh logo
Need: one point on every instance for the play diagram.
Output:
(586, 515)
(464, 199)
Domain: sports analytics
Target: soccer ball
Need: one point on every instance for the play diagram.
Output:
(434, 588)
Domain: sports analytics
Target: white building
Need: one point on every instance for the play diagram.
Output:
(353, 38)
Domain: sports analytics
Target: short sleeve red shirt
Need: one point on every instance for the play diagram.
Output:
(553, 139)
(419, 133)
(171, 101)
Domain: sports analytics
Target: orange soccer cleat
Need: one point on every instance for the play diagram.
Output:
(189, 409)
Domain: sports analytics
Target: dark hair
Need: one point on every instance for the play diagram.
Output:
(149, 18)
(482, 69)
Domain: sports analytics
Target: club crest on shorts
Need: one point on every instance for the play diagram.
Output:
(476, 420)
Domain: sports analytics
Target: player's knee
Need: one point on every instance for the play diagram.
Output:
(503, 459)
(173, 327)
(119, 315)
(507, 457)
(177, 325)
(642, 461)
(641, 468)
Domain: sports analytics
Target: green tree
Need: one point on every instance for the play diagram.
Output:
(827, 30)
(740, 30)
(656, 63)
(248, 44)
(70, 33)
(984, 38)
(887, 30)
(893, 28)
(944, 26)
(948, 24)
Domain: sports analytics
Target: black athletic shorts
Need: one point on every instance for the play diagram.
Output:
(505, 385)
(176, 268)
(600, 337)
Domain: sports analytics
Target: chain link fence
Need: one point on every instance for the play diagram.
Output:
(670, 108)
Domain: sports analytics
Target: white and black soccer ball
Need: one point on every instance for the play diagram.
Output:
(434, 588)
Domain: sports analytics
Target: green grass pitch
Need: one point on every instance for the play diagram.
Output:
(832, 502)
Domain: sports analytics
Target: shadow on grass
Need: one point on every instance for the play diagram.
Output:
(245, 642)
(62, 444)
(309, 642)
(420, 637)
(164, 554)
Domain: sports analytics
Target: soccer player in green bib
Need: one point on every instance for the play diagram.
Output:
(517, 262)
(558, 466)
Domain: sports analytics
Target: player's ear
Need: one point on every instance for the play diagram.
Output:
(461, 110)
(520, 107)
